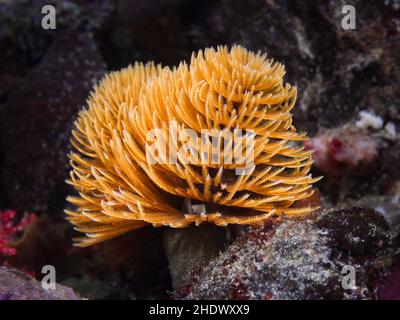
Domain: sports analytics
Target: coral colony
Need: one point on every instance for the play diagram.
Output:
(141, 117)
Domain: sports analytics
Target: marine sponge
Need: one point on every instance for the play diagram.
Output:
(121, 186)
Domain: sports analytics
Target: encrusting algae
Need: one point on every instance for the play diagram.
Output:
(121, 186)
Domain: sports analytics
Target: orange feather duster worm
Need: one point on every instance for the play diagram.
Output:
(165, 147)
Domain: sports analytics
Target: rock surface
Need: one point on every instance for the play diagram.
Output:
(299, 260)
(16, 285)
(39, 119)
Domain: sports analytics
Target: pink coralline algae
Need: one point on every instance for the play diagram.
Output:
(340, 150)
(10, 230)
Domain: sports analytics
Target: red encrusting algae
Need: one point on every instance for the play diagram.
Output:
(10, 230)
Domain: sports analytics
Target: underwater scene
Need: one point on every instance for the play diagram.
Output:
(170, 150)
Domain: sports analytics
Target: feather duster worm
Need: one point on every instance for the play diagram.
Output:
(127, 179)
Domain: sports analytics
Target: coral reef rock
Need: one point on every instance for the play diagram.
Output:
(38, 120)
(16, 285)
(390, 289)
(339, 72)
(312, 258)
